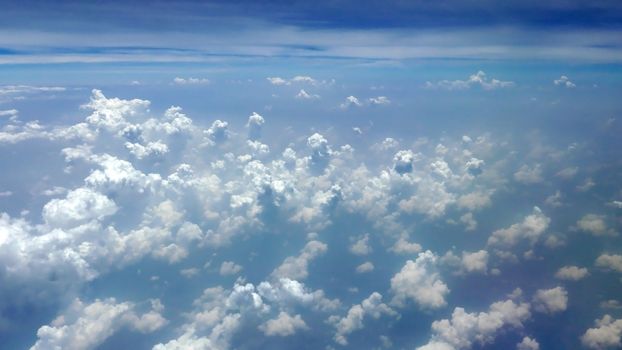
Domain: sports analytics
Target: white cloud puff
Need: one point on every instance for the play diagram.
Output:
(606, 335)
(419, 281)
(571, 273)
(85, 326)
(464, 329)
(284, 325)
(477, 79)
(551, 300)
(530, 229)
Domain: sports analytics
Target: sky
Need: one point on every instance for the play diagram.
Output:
(310, 175)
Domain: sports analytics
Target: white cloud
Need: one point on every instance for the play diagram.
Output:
(296, 267)
(79, 207)
(254, 125)
(8, 113)
(528, 344)
(477, 79)
(191, 81)
(564, 81)
(464, 329)
(607, 334)
(418, 280)
(365, 267)
(229, 268)
(372, 306)
(595, 224)
(380, 100)
(361, 246)
(571, 273)
(610, 261)
(85, 326)
(284, 325)
(475, 262)
(402, 246)
(351, 101)
(403, 161)
(531, 228)
(551, 300)
(302, 94)
(529, 175)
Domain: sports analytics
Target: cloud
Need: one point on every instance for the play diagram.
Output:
(464, 329)
(380, 100)
(350, 101)
(528, 344)
(571, 273)
(365, 267)
(529, 175)
(284, 325)
(296, 267)
(85, 326)
(372, 306)
(190, 81)
(303, 95)
(564, 81)
(419, 281)
(8, 113)
(255, 124)
(595, 224)
(610, 261)
(478, 79)
(551, 300)
(530, 229)
(606, 334)
(361, 246)
(79, 207)
(229, 268)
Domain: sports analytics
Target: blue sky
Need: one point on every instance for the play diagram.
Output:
(334, 175)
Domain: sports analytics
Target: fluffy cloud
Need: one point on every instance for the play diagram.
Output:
(229, 268)
(465, 329)
(284, 325)
(419, 281)
(79, 207)
(361, 246)
(85, 326)
(365, 267)
(551, 300)
(610, 261)
(296, 267)
(528, 344)
(607, 334)
(571, 273)
(372, 306)
(190, 81)
(303, 95)
(477, 79)
(564, 81)
(595, 224)
(530, 229)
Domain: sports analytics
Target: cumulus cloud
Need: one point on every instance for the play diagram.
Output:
(551, 300)
(254, 125)
(571, 273)
(595, 224)
(420, 282)
(529, 175)
(564, 81)
(478, 79)
(85, 326)
(350, 101)
(303, 95)
(530, 229)
(528, 344)
(606, 335)
(610, 261)
(190, 81)
(365, 267)
(361, 246)
(465, 329)
(370, 307)
(229, 268)
(284, 325)
(296, 267)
